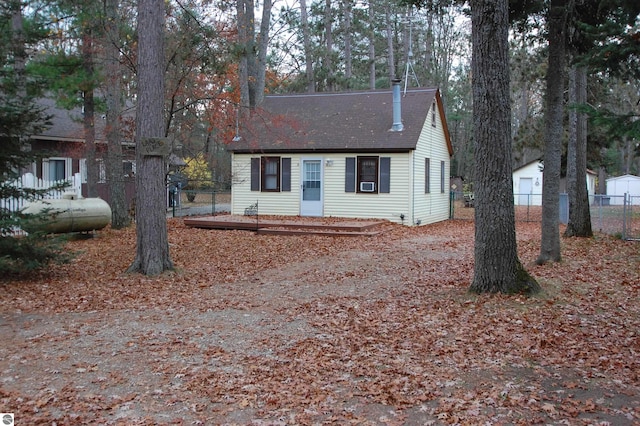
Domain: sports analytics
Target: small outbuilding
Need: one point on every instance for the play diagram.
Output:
(527, 184)
(380, 154)
(618, 186)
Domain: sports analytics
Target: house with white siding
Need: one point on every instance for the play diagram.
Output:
(381, 154)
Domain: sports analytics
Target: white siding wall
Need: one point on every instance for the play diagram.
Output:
(276, 203)
(358, 205)
(434, 206)
(337, 202)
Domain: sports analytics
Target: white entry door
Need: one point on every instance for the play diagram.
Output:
(526, 187)
(311, 194)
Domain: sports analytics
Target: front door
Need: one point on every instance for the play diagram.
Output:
(526, 187)
(311, 197)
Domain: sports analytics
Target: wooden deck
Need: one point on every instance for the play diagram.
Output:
(281, 226)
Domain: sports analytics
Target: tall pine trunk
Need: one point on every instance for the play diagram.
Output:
(348, 69)
(328, 54)
(553, 133)
(115, 174)
(306, 43)
(372, 46)
(152, 250)
(243, 58)
(17, 48)
(88, 106)
(390, 51)
(579, 214)
(497, 267)
(263, 46)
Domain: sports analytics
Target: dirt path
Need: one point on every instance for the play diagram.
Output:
(369, 331)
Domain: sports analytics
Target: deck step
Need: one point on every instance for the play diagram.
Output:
(286, 227)
(310, 231)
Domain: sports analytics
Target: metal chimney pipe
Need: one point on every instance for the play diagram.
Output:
(397, 125)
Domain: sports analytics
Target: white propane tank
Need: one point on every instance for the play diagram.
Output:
(70, 214)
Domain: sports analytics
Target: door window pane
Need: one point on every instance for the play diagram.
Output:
(311, 182)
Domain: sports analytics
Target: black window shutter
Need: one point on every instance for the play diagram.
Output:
(286, 174)
(255, 174)
(350, 175)
(385, 175)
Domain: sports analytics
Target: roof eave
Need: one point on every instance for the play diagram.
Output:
(322, 151)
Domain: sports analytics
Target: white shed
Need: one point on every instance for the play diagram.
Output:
(620, 185)
(527, 184)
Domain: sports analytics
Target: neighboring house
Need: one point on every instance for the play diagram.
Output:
(527, 184)
(64, 142)
(617, 187)
(63, 146)
(378, 154)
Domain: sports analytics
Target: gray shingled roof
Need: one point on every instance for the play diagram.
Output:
(66, 125)
(335, 122)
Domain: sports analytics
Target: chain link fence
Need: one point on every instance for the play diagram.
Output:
(616, 215)
(610, 214)
(197, 202)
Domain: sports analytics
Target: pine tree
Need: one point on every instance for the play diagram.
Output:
(20, 117)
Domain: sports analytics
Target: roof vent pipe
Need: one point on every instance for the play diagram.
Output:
(397, 106)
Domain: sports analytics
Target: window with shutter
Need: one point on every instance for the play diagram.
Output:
(271, 174)
(368, 175)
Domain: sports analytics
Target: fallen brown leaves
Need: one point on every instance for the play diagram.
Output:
(309, 330)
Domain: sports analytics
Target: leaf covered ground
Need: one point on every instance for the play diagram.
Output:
(258, 329)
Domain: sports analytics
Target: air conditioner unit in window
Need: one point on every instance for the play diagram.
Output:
(367, 186)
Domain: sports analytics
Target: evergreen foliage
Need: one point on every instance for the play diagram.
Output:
(608, 41)
(20, 117)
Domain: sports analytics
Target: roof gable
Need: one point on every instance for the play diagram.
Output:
(335, 122)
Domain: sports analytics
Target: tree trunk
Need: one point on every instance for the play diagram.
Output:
(243, 59)
(328, 57)
(306, 43)
(579, 214)
(17, 48)
(550, 241)
(429, 44)
(89, 114)
(250, 47)
(602, 181)
(263, 46)
(347, 43)
(497, 267)
(120, 217)
(390, 58)
(372, 46)
(152, 251)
